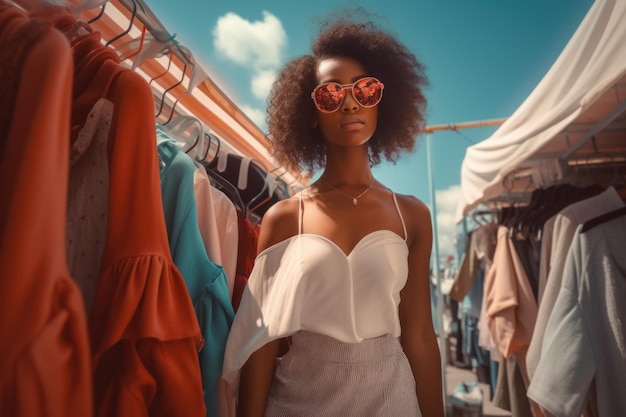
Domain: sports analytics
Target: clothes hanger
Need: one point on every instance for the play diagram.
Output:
(268, 186)
(537, 199)
(212, 142)
(219, 181)
(152, 46)
(130, 25)
(278, 190)
(99, 15)
(274, 194)
(518, 209)
(198, 75)
(508, 212)
(227, 188)
(505, 212)
(167, 70)
(179, 129)
(279, 182)
(246, 176)
(479, 217)
(169, 119)
(139, 48)
(289, 186)
(611, 215)
(603, 218)
(211, 138)
(162, 101)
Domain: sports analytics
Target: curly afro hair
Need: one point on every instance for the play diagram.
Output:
(292, 114)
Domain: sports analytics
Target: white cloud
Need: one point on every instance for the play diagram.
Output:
(262, 83)
(256, 115)
(259, 44)
(447, 201)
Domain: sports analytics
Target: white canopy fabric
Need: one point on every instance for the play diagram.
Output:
(582, 97)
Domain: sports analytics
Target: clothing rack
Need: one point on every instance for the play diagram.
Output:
(146, 45)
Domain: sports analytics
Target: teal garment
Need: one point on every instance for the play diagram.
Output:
(206, 282)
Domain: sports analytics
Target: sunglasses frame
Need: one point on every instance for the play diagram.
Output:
(345, 87)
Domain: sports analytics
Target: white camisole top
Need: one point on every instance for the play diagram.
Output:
(306, 282)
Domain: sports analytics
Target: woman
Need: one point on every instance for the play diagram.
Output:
(343, 266)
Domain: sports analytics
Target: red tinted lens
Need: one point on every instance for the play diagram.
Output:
(328, 97)
(368, 91)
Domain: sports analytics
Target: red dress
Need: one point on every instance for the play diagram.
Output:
(144, 333)
(44, 351)
(246, 249)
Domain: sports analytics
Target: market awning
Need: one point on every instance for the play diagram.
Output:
(575, 116)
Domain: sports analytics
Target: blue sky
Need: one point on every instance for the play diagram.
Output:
(483, 58)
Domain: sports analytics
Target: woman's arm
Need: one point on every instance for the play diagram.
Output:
(418, 335)
(256, 380)
(279, 223)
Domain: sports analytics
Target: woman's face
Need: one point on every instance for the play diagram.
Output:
(352, 124)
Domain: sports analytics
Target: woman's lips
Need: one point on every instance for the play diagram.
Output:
(351, 121)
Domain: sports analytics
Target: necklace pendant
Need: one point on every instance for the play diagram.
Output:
(355, 200)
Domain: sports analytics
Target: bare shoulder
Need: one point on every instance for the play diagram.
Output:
(414, 207)
(417, 216)
(279, 222)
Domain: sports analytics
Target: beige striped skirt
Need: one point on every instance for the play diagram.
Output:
(321, 376)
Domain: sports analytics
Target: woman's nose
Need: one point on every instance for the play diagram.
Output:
(349, 103)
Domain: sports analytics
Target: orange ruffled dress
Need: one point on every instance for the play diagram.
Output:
(44, 350)
(144, 333)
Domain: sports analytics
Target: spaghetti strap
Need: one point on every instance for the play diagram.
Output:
(300, 214)
(400, 214)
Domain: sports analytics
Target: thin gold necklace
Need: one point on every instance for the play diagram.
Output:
(355, 200)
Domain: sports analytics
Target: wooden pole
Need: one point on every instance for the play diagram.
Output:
(464, 125)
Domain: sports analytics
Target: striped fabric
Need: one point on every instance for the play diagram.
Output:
(321, 376)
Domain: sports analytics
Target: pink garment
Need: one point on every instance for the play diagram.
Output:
(511, 306)
(207, 223)
(485, 338)
(228, 229)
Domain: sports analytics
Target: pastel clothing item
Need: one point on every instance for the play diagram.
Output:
(321, 376)
(584, 342)
(207, 223)
(206, 281)
(306, 282)
(45, 367)
(511, 308)
(565, 225)
(226, 215)
(217, 219)
(485, 239)
(144, 332)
